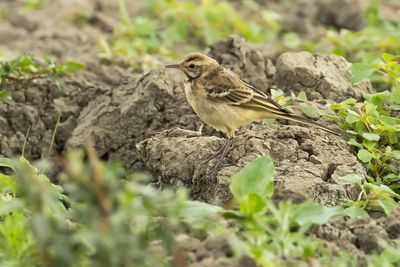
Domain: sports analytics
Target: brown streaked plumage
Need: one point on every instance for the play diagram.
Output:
(223, 101)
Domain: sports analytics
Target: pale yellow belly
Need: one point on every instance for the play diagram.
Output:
(222, 117)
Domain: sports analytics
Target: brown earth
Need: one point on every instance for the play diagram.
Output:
(144, 121)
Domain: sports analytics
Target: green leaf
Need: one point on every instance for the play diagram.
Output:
(7, 184)
(364, 155)
(395, 94)
(196, 210)
(361, 71)
(370, 145)
(368, 186)
(390, 178)
(5, 96)
(11, 206)
(33, 4)
(354, 211)
(393, 138)
(371, 136)
(352, 178)
(25, 61)
(311, 213)
(256, 177)
(388, 205)
(378, 98)
(69, 67)
(351, 118)
(310, 111)
(233, 214)
(276, 93)
(387, 57)
(6, 162)
(268, 121)
(351, 132)
(386, 189)
(253, 203)
(395, 154)
(302, 96)
(389, 121)
(353, 142)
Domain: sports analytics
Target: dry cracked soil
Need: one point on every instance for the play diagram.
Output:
(144, 121)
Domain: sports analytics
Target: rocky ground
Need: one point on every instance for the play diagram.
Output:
(143, 119)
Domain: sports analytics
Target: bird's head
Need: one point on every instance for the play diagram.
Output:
(195, 64)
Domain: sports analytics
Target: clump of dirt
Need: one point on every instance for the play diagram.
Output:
(348, 14)
(211, 252)
(35, 105)
(322, 77)
(134, 111)
(360, 235)
(310, 17)
(32, 114)
(303, 159)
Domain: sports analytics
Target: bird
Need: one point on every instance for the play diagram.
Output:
(224, 101)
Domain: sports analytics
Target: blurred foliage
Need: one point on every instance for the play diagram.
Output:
(296, 104)
(366, 45)
(34, 4)
(27, 68)
(275, 233)
(168, 27)
(388, 258)
(373, 196)
(173, 27)
(96, 218)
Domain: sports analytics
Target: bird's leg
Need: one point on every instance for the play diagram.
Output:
(222, 152)
(200, 130)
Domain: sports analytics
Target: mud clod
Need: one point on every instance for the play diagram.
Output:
(213, 252)
(145, 105)
(321, 77)
(363, 235)
(295, 173)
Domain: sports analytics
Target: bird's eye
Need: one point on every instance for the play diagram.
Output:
(192, 66)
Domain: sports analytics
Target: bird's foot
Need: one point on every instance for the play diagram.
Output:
(224, 150)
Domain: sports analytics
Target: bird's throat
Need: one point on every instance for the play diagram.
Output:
(190, 78)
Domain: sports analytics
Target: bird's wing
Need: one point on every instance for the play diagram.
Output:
(227, 88)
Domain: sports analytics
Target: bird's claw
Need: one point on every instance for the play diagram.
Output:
(220, 154)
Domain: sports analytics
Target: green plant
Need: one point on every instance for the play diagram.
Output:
(295, 103)
(28, 68)
(374, 197)
(17, 245)
(270, 232)
(388, 258)
(373, 127)
(34, 4)
(94, 219)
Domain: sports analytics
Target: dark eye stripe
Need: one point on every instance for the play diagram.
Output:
(194, 57)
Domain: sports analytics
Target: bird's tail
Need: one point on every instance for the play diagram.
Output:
(306, 121)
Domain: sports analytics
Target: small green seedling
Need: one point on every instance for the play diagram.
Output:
(28, 68)
(372, 126)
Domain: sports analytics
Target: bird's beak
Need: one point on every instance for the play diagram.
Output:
(173, 66)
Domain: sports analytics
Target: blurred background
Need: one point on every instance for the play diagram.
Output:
(141, 33)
